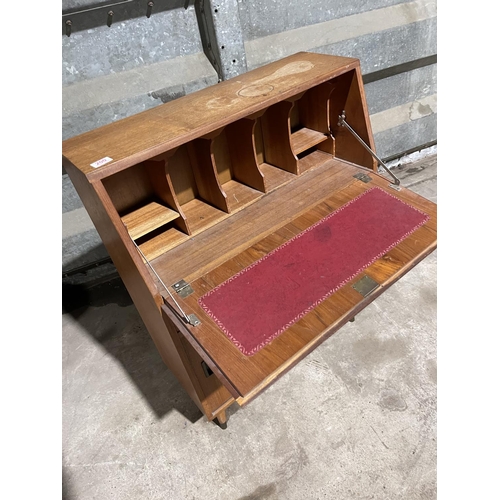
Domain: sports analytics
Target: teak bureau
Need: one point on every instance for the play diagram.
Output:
(249, 220)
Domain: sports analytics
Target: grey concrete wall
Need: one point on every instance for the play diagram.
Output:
(138, 63)
(109, 73)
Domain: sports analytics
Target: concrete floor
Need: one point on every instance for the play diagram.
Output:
(356, 419)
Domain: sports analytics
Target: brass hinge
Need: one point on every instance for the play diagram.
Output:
(362, 177)
(190, 319)
(182, 288)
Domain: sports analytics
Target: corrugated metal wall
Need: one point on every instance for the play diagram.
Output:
(110, 72)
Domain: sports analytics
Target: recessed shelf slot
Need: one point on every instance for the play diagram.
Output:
(239, 195)
(313, 160)
(274, 177)
(306, 138)
(236, 164)
(309, 126)
(201, 215)
(144, 199)
(148, 218)
(197, 188)
(161, 240)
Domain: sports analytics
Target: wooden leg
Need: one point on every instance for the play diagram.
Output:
(221, 420)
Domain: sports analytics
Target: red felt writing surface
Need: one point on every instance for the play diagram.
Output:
(262, 301)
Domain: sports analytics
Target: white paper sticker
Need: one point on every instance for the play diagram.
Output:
(101, 162)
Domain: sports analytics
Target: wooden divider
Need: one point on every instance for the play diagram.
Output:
(312, 143)
(192, 187)
(144, 198)
(240, 140)
(348, 96)
(162, 184)
(205, 173)
(276, 137)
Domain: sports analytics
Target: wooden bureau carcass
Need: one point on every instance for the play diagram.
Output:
(201, 191)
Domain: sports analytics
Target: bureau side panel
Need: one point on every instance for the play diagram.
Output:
(139, 284)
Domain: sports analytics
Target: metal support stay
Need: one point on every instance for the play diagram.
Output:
(343, 123)
(190, 319)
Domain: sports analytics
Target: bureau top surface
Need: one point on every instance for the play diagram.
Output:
(155, 131)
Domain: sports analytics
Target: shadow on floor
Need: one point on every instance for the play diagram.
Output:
(67, 494)
(125, 337)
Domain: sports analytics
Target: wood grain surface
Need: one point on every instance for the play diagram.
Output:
(155, 131)
(147, 218)
(306, 138)
(276, 224)
(211, 182)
